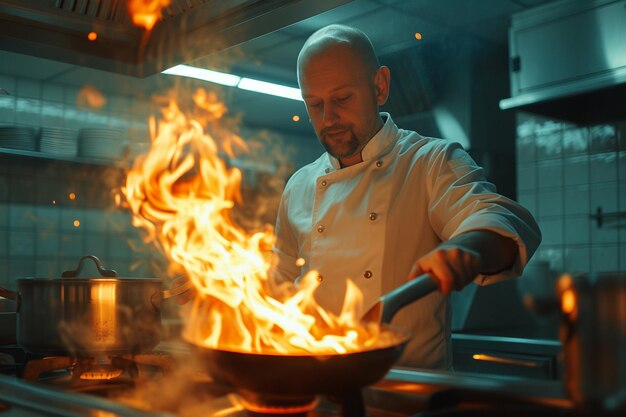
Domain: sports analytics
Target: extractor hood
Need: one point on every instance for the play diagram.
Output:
(190, 29)
(568, 60)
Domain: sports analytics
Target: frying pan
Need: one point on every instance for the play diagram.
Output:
(302, 375)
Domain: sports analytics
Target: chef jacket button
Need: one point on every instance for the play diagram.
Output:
(373, 216)
(327, 170)
(320, 228)
(379, 164)
(324, 183)
(320, 278)
(367, 274)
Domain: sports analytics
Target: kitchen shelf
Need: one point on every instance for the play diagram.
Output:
(74, 159)
(243, 164)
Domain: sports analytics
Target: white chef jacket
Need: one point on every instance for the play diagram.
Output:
(371, 221)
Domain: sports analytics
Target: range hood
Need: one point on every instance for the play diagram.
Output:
(190, 29)
(568, 61)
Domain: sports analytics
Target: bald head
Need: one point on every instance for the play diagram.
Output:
(333, 36)
(342, 85)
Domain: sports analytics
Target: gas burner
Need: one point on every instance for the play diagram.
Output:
(95, 372)
(266, 404)
(262, 404)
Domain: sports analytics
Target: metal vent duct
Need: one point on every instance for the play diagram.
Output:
(190, 29)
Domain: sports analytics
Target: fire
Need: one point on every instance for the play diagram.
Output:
(146, 12)
(183, 194)
(90, 97)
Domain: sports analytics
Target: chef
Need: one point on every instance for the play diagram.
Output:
(383, 205)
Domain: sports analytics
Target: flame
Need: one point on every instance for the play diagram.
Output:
(182, 194)
(100, 373)
(90, 97)
(146, 13)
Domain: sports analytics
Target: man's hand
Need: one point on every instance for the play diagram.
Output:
(451, 265)
(457, 262)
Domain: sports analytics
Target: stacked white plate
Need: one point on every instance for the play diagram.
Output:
(23, 138)
(101, 143)
(58, 141)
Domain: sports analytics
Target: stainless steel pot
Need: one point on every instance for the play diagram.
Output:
(593, 333)
(89, 316)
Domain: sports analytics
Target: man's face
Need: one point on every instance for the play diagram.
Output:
(341, 99)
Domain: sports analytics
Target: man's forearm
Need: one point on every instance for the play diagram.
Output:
(496, 251)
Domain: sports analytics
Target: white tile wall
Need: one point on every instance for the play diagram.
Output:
(52, 92)
(28, 112)
(7, 110)
(549, 144)
(576, 200)
(4, 243)
(20, 268)
(575, 141)
(577, 230)
(550, 202)
(608, 233)
(577, 258)
(22, 216)
(27, 88)
(550, 173)
(552, 231)
(526, 177)
(47, 269)
(528, 200)
(604, 258)
(34, 103)
(526, 150)
(553, 254)
(621, 166)
(603, 167)
(577, 169)
(4, 215)
(21, 243)
(47, 243)
(604, 195)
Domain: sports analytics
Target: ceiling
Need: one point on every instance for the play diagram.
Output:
(391, 24)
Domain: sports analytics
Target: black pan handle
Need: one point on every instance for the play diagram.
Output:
(406, 294)
(108, 273)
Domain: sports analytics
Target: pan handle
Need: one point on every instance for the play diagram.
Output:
(108, 273)
(406, 294)
(11, 295)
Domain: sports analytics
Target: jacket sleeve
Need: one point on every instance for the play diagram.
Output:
(462, 200)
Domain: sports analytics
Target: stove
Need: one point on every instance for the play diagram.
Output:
(168, 382)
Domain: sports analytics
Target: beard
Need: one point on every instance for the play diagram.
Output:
(340, 141)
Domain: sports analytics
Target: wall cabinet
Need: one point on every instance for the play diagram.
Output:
(568, 60)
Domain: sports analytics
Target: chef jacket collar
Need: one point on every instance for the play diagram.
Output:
(377, 146)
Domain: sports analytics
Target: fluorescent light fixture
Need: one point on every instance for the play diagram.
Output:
(270, 88)
(204, 74)
(236, 81)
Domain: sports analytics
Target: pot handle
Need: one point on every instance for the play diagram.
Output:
(108, 273)
(176, 291)
(171, 293)
(11, 295)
